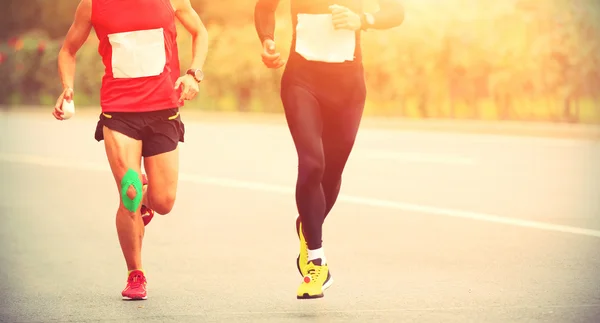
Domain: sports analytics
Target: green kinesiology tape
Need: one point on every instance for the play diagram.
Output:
(131, 178)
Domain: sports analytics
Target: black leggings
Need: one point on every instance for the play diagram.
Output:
(323, 107)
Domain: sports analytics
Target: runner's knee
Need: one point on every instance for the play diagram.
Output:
(163, 202)
(131, 190)
(310, 169)
(332, 176)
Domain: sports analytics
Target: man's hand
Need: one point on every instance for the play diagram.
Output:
(190, 87)
(67, 94)
(344, 18)
(270, 57)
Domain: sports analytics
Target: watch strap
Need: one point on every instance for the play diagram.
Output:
(193, 72)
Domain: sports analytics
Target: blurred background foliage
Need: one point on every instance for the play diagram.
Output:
(534, 60)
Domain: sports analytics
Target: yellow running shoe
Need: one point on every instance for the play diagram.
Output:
(302, 259)
(316, 280)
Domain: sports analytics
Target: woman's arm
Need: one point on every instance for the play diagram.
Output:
(390, 15)
(264, 19)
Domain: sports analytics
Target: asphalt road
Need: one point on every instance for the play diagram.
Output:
(431, 227)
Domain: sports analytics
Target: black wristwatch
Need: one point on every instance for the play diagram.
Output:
(366, 21)
(197, 74)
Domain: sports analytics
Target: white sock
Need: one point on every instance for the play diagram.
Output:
(316, 254)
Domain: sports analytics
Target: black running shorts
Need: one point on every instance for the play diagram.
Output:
(160, 131)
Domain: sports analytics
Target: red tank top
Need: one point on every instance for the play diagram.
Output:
(139, 51)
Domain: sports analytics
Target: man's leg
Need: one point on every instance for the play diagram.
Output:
(161, 159)
(125, 153)
(163, 175)
(124, 156)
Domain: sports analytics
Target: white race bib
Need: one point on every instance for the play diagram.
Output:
(317, 40)
(138, 53)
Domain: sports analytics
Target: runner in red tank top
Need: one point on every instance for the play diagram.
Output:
(141, 94)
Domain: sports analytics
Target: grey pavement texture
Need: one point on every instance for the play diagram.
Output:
(430, 227)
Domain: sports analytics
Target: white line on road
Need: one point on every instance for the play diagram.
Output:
(419, 309)
(257, 186)
(414, 157)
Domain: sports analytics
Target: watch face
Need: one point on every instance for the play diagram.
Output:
(197, 74)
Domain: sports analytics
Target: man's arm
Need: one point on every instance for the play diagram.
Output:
(76, 36)
(390, 15)
(264, 19)
(189, 18)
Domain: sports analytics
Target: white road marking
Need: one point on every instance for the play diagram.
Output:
(417, 309)
(414, 157)
(257, 186)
